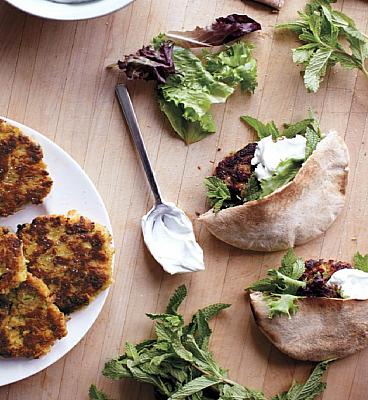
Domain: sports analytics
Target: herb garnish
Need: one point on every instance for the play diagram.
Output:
(217, 192)
(361, 262)
(281, 285)
(179, 365)
(324, 30)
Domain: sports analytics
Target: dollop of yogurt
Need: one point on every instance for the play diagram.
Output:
(352, 283)
(269, 154)
(168, 234)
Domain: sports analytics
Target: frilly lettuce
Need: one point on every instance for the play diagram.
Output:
(186, 97)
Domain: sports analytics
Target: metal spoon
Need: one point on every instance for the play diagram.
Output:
(167, 231)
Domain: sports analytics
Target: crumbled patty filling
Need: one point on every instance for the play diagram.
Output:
(236, 169)
(316, 275)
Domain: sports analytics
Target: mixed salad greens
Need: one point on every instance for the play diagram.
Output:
(326, 33)
(188, 84)
(295, 279)
(220, 195)
(179, 365)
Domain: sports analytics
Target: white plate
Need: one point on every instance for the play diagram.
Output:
(72, 190)
(48, 9)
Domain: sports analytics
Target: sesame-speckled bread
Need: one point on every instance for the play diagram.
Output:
(321, 329)
(295, 213)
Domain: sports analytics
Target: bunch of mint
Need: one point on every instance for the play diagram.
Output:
(329, 37)
(179, 365)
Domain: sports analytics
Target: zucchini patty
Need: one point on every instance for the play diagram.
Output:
(12, 263)
(29, 322)
(23, 175)
(71, 254)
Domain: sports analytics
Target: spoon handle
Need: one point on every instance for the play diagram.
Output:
(131, 119)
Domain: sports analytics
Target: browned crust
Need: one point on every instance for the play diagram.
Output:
(29, 322)
(71, 254)
(294, 214)
(321, 329)
(12, 263)
(23, 175)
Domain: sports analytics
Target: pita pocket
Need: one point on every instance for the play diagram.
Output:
(293, 214)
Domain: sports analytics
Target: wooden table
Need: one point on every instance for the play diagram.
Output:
(53, 78)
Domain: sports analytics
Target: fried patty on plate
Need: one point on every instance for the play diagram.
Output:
(29, 321)
(12, 263)
(23, 175)
(71, 254)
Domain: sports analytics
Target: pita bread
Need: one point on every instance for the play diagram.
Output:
(295, 213)
(321, 329)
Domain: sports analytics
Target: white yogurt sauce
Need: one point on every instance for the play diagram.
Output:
(353, 283)
(269, 154)
(168, 234)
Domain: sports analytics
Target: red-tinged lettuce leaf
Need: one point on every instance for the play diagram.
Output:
(224, 30)
(149, 64)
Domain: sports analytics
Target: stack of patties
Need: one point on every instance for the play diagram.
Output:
(29, 321)
(54, 265)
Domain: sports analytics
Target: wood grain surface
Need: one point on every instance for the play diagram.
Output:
(53, 78)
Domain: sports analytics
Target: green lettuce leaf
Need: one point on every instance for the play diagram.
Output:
(187, 96)
(280, 304)
(234, 65)
(284, 173)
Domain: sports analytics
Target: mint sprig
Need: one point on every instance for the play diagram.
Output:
(178, 364)
(323, 32)
(281, 285)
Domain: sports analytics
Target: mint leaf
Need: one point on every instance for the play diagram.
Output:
(316, 69)
(252, 190)
(263, 130)
(239, 392)
(95, 394)
(299, 128)
(313, 139)
(361, 262)
(312, 388)
(194, 386)
(176, 299)
(291, 265)
(279, 304)
(217, 192)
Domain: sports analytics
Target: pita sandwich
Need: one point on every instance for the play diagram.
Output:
(294, 213)
(305, 324)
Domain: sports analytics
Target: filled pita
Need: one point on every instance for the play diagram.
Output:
(295, 213)
(321, 329)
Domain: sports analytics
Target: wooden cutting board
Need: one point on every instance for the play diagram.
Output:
(52, 78)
